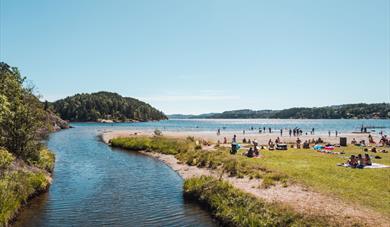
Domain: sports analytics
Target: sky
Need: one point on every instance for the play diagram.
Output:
(200, 56)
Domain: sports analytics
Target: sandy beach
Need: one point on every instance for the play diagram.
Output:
(262, 138)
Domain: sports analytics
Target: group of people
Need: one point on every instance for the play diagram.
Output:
(359, 161)
(384, 141)
(253, 151)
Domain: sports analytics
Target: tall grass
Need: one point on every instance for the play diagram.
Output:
(366, 187)
(187, 151)
(17, 184)
(233, 207)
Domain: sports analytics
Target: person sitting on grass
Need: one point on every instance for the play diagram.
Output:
(352, 162)
(250, 153)
(367, 160)
(360, 161)
(256, 151)
(277, 141)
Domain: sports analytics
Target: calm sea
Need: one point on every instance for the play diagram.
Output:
(320, 125)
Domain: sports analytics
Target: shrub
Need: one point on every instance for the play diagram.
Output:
(15, 188)
(6, 159)
(46, 160)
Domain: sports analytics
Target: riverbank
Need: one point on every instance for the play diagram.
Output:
(19, 182)
(302, 195)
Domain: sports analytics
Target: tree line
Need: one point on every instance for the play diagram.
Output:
(105, 105)
(347, 111)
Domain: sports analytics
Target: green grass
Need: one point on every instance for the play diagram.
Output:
(46, 160)
(367, 187)
(233, 207)
(158, 144)
(17, 185)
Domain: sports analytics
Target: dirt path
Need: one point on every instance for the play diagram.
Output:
(300, 198)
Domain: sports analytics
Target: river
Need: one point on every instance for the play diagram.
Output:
(95, 185)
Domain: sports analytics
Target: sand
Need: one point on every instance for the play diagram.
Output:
(301, 198)
(261, 138)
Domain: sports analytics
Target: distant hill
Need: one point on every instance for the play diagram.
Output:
(348, 111)
(107, 106)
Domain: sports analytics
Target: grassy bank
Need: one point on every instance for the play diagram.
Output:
(20, 181)
(367, 187)
(233, 207)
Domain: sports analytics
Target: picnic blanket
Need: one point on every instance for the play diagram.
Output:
(373, 166)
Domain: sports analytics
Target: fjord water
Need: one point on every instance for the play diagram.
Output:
(95, 185)
(211, 125)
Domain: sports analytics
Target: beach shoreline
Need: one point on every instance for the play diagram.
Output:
(262, 138)
(301, 198)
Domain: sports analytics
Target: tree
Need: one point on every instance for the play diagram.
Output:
(21, 115)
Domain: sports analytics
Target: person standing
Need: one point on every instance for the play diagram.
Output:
(281, 132)
(336, 133)
(234, 140)
(329, 132)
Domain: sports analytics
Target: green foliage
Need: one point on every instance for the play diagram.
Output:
(21, 114)
(157, 144)
(46, 160)
(15, 188)
(5, 160)
(19, 182)
(377, 110)
(307, 167)
(367, 187)
(105, 105)
(361, 110)
(233, 207)
(186, 151)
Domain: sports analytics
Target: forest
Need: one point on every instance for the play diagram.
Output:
(105, 106)
(347, 111)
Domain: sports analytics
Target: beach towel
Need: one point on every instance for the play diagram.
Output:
(376, 166)
(373, 166)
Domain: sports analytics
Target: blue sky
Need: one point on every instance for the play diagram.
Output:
(201, 56)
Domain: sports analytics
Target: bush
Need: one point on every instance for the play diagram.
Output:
(46, 160)
(6, 159)
(15, 188)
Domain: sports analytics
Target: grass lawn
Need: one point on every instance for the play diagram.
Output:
(368, 187)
